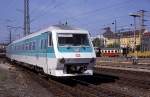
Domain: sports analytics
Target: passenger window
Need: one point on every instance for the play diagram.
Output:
(26, 46)
(50, 39)
(33, 45)
(41, 44)
(29, 46)
(45, 43)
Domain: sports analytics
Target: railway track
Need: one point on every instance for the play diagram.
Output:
(99, 85)
(99, 91)
(134, 83)
(76, 87)
(137, 66)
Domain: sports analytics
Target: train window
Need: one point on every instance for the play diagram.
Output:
(15, 47)
(22, 46)
(26, 46)
(73, 39)
(30, 46)
(50, 39)
(45, 43)
(11, 47)
(18, 47)
(33, 46)
(41, 44)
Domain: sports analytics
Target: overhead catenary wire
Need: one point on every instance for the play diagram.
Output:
(87, 22)
(48, 8)
(76, 18)
(96, 10)
(48, 4)
(82, 14)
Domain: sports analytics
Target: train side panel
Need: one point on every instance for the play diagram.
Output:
(34, 51)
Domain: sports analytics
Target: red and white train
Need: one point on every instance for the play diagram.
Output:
(109, 52)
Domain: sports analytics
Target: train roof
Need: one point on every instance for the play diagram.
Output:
(65, 27)
(50, 28)
(110, 48)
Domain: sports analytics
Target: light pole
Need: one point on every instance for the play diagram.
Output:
(134, 17)
(26, 18)
(115, 23)
(116, 41)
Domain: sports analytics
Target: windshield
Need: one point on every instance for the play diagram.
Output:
(73, 39)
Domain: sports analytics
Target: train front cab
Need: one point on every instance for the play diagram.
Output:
(74, 55)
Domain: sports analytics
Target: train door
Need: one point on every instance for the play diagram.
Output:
(49, 47)
(46, 52)
(43, 52)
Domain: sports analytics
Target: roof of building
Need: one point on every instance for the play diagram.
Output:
(110, 48)
(147, 34)
(122, 34)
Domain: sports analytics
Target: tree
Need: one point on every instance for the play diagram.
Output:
(138, 47)
(114, 45)
(96, 42)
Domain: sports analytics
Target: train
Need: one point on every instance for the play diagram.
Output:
(109, 52)
(58, 50)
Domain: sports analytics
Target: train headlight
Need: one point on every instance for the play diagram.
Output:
(92, 60)
(62, 60)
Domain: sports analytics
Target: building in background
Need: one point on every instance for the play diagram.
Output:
(146, 41)
(111, 39)
(127, 39)
(123, 39)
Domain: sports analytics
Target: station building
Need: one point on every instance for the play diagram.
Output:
(146, 41)
(124, 39)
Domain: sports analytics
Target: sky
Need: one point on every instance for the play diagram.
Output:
(92, 15)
